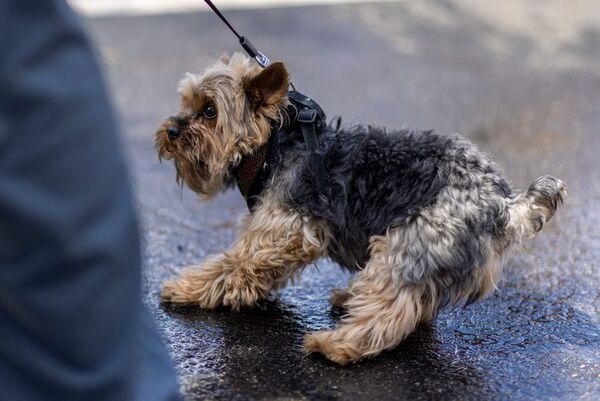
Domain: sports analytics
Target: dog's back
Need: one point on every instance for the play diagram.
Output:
(379, 180)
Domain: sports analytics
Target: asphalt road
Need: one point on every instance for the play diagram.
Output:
(521, 82)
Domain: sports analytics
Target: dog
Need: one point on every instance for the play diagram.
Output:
(423, 219)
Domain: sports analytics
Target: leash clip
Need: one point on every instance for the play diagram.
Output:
(262, 60)
(253, 52)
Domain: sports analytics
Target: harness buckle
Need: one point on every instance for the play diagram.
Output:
(307, 116)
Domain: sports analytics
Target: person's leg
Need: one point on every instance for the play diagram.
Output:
(70, 309)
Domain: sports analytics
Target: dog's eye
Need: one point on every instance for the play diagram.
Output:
(209, 112)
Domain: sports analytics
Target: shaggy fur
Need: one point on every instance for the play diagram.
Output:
(424, 219)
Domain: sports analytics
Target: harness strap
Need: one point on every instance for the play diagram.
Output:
(307, 103)
(307, 119)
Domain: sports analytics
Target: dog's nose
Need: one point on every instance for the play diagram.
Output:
(173, 132)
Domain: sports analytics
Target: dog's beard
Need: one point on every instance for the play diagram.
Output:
(188, 172)
(195, 174)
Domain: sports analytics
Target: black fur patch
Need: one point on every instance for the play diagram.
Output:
(379, 179)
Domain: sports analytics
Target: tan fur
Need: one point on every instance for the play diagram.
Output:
(380, 314)
(488, 275)
(274, 244)
(208, 149)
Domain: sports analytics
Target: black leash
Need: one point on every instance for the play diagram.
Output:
(244, 41)
(310, 116)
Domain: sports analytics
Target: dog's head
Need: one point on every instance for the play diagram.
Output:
(225, 113)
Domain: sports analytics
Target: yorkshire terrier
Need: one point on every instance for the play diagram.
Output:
(423, 219)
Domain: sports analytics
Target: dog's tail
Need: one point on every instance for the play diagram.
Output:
(528, 212)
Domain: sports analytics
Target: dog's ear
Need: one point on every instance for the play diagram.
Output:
(269, 87)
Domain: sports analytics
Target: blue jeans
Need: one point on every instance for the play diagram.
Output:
(72, 326)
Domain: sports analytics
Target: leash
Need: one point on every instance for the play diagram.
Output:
(260, 58)
(252, 51)
(253, 172)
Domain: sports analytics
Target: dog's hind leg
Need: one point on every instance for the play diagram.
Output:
(379, 316)
(381, 311)
(274, 244)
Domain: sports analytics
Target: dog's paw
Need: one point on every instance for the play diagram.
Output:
(174, 292)
(241, 290)
(331, 344)
(195, 287)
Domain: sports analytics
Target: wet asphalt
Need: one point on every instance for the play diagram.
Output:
(521, 82)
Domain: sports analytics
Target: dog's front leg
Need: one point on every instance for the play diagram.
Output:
(274, 243)
(202, 285)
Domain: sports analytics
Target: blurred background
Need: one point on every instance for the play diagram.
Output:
(520, 79)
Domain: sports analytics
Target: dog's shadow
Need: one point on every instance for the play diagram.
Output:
(261, 357)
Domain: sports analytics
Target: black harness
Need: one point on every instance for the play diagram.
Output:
(254, 170)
